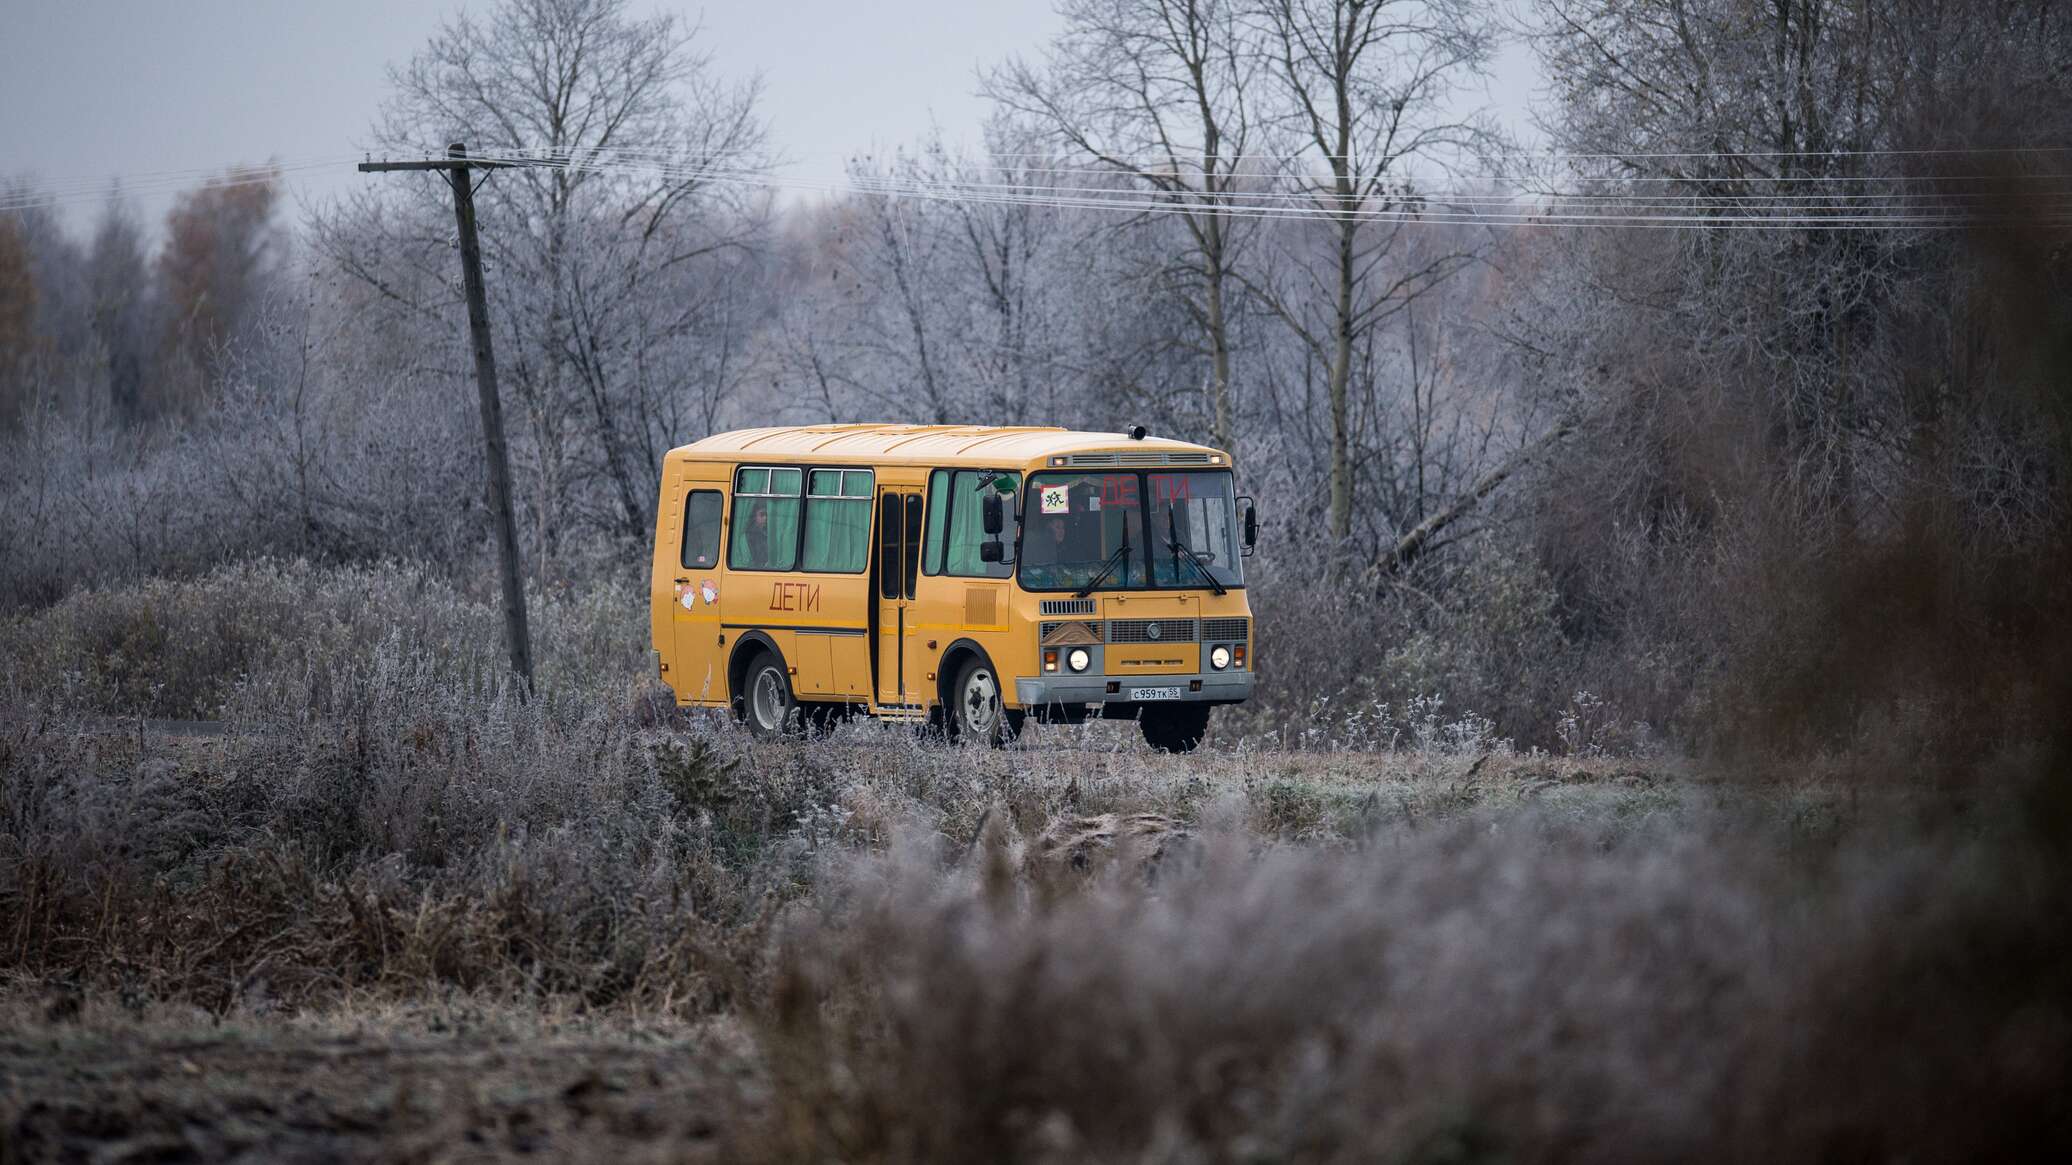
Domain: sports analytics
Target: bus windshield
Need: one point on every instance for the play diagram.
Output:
(1193, 530)
(1129, 530)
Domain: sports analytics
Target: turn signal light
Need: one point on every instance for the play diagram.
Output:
(1050, 659)
(1238, 656)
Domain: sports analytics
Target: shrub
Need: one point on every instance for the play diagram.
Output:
(284, 634)
(1503, 988)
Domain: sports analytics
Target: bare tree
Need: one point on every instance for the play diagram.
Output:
(1727, 111)
(629, 239)
(1367, 88)
(1160, 91)
(919, 302)
(121, 305)
(1010, 246)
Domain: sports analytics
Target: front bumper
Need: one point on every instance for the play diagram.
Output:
(1219, 687)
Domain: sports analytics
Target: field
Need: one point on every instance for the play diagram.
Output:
(1658, 421)
(383, 908)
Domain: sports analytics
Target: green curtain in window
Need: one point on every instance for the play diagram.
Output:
(838, 534)
(968, 529)
(938, 509)
(771, 546)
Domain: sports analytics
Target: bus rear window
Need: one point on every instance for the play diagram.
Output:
(701, 512)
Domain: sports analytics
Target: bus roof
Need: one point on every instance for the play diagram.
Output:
(981, 446)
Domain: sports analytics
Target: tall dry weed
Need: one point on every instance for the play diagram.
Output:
(1493, 990)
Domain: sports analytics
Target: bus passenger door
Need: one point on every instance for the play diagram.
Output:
(896, 561)
(697, 663)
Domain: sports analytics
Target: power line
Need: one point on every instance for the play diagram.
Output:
(1878, 202)
(1488, 209)
(1148, 167)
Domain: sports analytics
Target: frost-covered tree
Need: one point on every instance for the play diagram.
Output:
(617, 266)
(224, 245)
(1160, 93)
(915, 301)
(122, 305)
(1366, 94)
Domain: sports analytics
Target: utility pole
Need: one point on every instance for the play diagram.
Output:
(458, 167)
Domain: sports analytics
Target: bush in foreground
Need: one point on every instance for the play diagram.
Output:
(948, 953)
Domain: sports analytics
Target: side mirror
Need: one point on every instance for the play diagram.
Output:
(994, 517)
(1251, 524)
(993, 551)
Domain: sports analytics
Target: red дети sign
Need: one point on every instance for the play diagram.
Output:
(1171, 487)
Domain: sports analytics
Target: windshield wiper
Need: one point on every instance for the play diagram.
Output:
(1179, 548)
(1120, 555)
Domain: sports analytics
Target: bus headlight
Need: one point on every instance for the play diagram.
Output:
(1078, 658)
(1219, 657)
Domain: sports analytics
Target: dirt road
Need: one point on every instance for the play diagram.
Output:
(279, 1093)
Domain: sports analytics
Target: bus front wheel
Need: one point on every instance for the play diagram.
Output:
(976, 712)
(1175, 727)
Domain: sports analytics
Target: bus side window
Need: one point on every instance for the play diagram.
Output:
(838, 521)
(766, 518)
(890, 525)
(938, 521)
(701, 529)
(966, 525)
(913, 542)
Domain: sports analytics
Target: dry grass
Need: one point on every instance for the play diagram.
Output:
(450, 1081)
(580, 928)
(1065, 951)
(270, 635)
(1494, 988)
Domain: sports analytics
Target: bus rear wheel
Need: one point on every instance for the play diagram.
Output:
(766, 700)
(976, 712)
(1175, 727)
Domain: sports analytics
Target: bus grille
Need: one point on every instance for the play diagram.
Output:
(1068, 606)
(1150, 630)
(1225, 630)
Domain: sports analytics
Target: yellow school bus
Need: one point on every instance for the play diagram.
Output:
(964, 576)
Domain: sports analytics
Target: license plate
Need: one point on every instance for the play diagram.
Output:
(1154, 693)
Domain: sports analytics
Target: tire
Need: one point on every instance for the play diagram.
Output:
(1175, 727)
(767, 704)
(976, 712)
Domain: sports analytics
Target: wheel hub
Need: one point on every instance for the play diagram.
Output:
(769, 699)
(981, 701)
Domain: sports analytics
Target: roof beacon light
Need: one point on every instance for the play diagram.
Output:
(1137, 432)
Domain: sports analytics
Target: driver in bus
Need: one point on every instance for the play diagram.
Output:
(1052, 561)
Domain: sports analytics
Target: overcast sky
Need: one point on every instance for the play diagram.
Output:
(104, 88)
